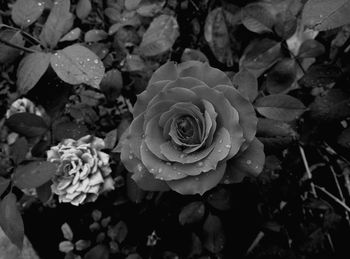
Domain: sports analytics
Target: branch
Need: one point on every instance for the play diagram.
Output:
(16, 46)
(333, 197)
(307, 168)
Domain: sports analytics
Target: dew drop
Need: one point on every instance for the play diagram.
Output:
(168, 163)
(182, 156)
(87, 59)
(96, 61)
(161, 178)
(28, 20)
(219, 151)
(220, 141)
(139, 167)
(152, 170)
(249, 162)
(226, 181)
(131, 157)
(40, 4)
(228, 146)
(200, 163)
(160, 170)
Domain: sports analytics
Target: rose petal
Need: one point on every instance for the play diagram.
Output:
(135, 136)
(154, 137)
(146, 96)
(198, 184)
(184, 82)
(168, 71)
(209, 75)
(247, 116)
(140, 174)
(227, 115)
(156, 110)
(249, 163)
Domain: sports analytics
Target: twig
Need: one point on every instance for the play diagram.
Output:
(17, 47)
(307, 168)
(255, 242)
(333, 197)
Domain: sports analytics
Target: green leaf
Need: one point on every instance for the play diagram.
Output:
(26, 12)
(76, 64)
(33, 174)
(118, 232)
(280, 107)
(257, 18)
(112, 84)
(83, 9)
(58, 23)
(274, 128)
(246, 83)
(192, 213)
(31, 69)
(19, 150)
(27, 124)
(11, 220)
(4, 183)
(310, 49)
(282, 76)
(69, 129)
(98, 251)
(72, 35)
(220, 198)
(9, 54)
(160, 35)
(286, 24)
(324, 15)
(214, 237)
(95, 35)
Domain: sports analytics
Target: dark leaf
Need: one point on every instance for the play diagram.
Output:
(214, 236)
(26, 12)
(310, 49)
(220, 199)
(4, 183)
(33, 174)
(135, 193)
(344, 138)
(281, 76)
(44, 192)
(257, 17)
(286, 24)
(274, 128)
(97, 252)
(112, 84)
(71, 130)
(58, 23)
(279, 107)
(111, 139)
(320, 75)
(9, 54)
(76, 64)
(246, 83)
(196, 248)
(27, 124)
(31, 69)
(83, 9)
(19, 150)
(192, 213)
(133, 256)
(118, 232)
(11, 220)
(160, 35)
(324, 15)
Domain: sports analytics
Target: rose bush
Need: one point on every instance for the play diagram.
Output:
(191, 131)
(83, 170)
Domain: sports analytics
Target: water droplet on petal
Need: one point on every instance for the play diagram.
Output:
(40, 4)
(87, 59)
(152, 170)
(220, 141)
(226, 181)
(200, 163)
(168, 163)
(160, 170)
(131, 156)
(28, 20)
(182, 156)
(249, 162)
(228, 146)
(219, 151)
(96, 61)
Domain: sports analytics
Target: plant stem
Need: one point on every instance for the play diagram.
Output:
(346, 207)
(307, 168)
(16, 46)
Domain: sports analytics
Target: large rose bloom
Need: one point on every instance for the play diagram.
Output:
(191, 131)
(83, 170)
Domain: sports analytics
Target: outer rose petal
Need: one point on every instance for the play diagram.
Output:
(247, 116)
(209, 75)
(249, 163)
(146, 96)
(168, 71)
(141, 176)
(154, 137)
(184, 82)
(198, 184)
(135, 135)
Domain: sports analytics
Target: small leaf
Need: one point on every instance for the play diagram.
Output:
(67, 231)
(343, 140)
(33, 174)
(112, 84)
(131, 4)
(71, 130)
(83, 9)
(160, 35)
(26, 12)
(9, 54)
(111, 139)
(246, 83)
(31, 69)
(76, 64)
(98, 251)
(19, 150)
(192, 213)
(324, 15)
(27, 124)
(66, 246)
(134, 193)
(59, 22)
(44, 192)
(118, 232)
(4, 183)
(72, 35)
(320, 75)
(310, 49)
(95, 35)
(286, 24)
(274, 128)
(220, 199)
(11, 220)
(281, 76)
(81, 245)
(256, 17)
(280, 107)
(214, 237)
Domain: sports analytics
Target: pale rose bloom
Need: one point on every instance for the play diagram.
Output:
(24, 105)
(84, 170)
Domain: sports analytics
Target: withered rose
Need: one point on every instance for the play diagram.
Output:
(191, 131)
(83, 171)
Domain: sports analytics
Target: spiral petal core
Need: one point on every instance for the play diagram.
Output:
(191, 131)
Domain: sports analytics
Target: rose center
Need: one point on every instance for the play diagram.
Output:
(186, 130)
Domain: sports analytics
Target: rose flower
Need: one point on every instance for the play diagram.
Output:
(83, 170)
(191, 131)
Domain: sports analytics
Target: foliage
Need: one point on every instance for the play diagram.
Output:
(71, 69)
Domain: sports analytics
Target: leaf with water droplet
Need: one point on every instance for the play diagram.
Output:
(26, 12)
(95, 35)
(76, 64)
(83, 9)
(72, 35)
(214, 236)
(192, 213)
